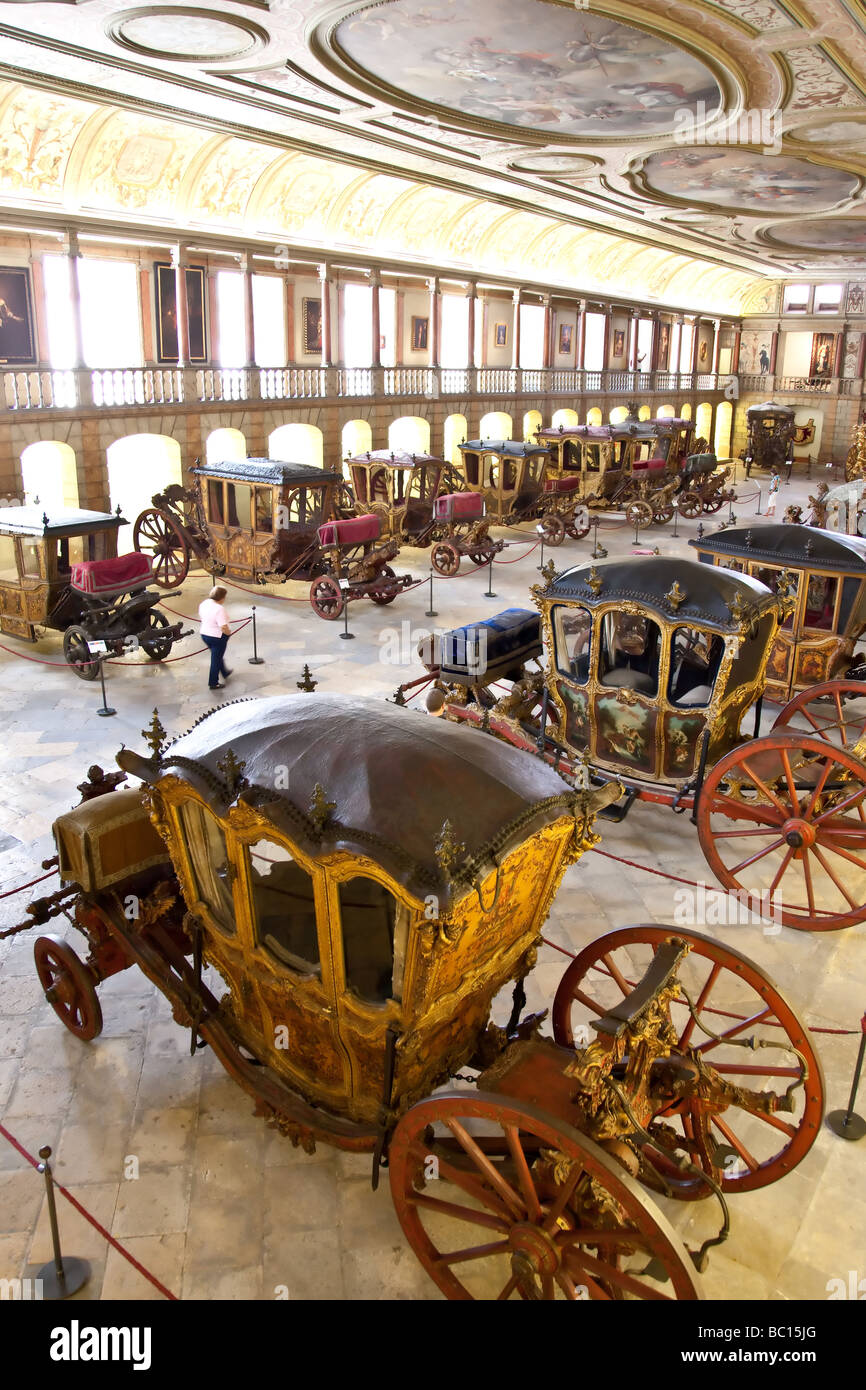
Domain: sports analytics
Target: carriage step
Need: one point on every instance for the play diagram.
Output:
(619, 810)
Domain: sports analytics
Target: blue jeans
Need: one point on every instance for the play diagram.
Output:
(217, 658)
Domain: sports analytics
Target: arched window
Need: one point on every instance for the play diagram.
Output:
(456, 431)
(225, 446)
(410, 433)
(496, 425)
(138, 466)
(532, 421)
(297, 444)
(49, 473)
(566, 418)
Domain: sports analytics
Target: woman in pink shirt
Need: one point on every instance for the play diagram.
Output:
(215, 633)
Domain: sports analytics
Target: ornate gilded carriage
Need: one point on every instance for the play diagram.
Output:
(363, 933)
(254, 520)
(400, 488)
(770, 439)
(520, 482)
(632, 467)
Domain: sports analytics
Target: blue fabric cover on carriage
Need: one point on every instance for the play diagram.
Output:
(490, 650)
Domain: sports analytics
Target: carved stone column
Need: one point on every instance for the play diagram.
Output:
(325, 292)
(375, 319)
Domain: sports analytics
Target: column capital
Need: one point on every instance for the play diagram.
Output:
(375, 278)
(471, 289)
(323, 270)
(433, 284)
(71, 246)
(515, 294)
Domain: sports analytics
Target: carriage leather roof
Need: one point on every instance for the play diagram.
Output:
(398, 458)
(708, 589)
(267, 471)
(796, 546)
(771, 408)
(630, 429)
(28, 521)
(515, 447)
(395, 776)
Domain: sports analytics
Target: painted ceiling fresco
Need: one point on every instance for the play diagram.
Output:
(693, 154)
(529, 63)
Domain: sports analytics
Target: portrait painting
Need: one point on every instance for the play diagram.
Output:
(822, 355)
(166, 313)
(312, 320)
(17, 340)
(565, 335)
(420, 328)
(664, 344)
(500, 334)
(618, 342)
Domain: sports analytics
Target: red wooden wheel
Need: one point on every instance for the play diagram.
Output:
(445, 558)
(326, 597)
(713, 503)
(554, 1216)
(388, 590)
(158, 535)
(552, 528)
(834, 711)
(577, 526)
(662, 513)
(784, 816)
(733, 999)
(639, 514)
(69, 985)
(690, 505)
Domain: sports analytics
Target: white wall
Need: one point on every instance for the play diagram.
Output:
(796, 354)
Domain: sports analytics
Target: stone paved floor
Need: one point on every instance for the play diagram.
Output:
(223, 1208)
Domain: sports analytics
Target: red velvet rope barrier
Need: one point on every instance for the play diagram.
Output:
(12, 891)
(82, 1211)
(166, 661)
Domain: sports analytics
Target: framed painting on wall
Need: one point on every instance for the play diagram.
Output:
(618, 342)
(664, 344)
(420, 329)
(822, 355)
(17, 340)
(166, 312)
(500, 334)
(565, 333)
(312, 314)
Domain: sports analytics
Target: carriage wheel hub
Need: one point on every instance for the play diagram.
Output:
(534, 1250)
(799, 834)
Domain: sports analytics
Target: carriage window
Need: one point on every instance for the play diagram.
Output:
(751, 657)
(295, 507)
(400, 476)
(629, 655)
(470, 463)
(573, 628)
(379, 485)
(533, 470)
(8, 565)
(284, 907)
(215, 502)
(850, 588)
(63, 556)
(821, 591)
(417, 484)
(592, 457)
(359, 483)
(264, 510)
(375, 929)
(30, 558)
(240, 498)
(206, 844)
(503, 475)
(695, 660)
(769, 575)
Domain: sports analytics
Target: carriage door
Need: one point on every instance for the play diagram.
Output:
(781, 660)
(240, 551)
(626, 697)
(369, 936)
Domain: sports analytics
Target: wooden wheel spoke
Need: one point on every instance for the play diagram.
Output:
(741, 834)
(466, 1182)
(789, 855)
(611, 1275)
(603, 1240)
(749, 1159)
(831, 845)
(562, 1198)
(507, 1290)
(494, 1177)
(852, 903)
(842, 806)
(548, 1288)
(732, 1032)
(789, 778)
(524, 1176)
(616, 973)
(744, 810)
(752, 1069)
(566, 1283)
(807, 876)
(701, 1002)
(474, 1252)
(753, 858)
(765, 790)
(774, 1122)
(458, 1212)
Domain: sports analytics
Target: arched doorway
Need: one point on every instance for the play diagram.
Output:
(618, 414)
(594, 416)
(225, 446)
(685, 411)
(356, 438)
(296, 444)
(456, 431)
(724, 421)
(496, 425)
(666, 412)
(704, 421)
(566, 418)
(644, 413)
(138, 466)
(50, 474)
(533, 421)
(409, 433)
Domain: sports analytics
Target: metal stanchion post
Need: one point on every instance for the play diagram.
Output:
(489, 591)
(637, 529)
(540, 532)
(61, 1277)
(431, 611)
(106, 707)
(255, 659)
(758, 510)
(846, 1123)
(676, 506)
(346, 635)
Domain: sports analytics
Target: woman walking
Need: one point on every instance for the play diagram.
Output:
(215, 633)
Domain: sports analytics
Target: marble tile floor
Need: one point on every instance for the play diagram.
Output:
(223, 1208)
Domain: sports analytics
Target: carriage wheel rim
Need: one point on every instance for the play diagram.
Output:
(824, 841)
(782, 1019)
(69, 986)
(326, 597)
(166, 544)
(445, 558)
(519, 1220)
(835, 693)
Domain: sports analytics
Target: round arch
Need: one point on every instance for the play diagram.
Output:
(704, 421)
(566, 418)
(686, 411)
(644, 413)
(410, 433)
(225, 446)
(140, 465)
(533, 421)
(724, 422)
(594, 416)
(497, 424)
(456, 431)
(356, 438)
(297, 444)
(49, 473)
(618, 414)
(666, 412)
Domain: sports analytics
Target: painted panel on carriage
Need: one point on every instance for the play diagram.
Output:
(547, 68)
(626, 731)
(681, 734)
(577, 731)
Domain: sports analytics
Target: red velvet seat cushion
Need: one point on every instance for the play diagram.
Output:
(116, 576)
(463, 506)
(570, 483)
(353, 531)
